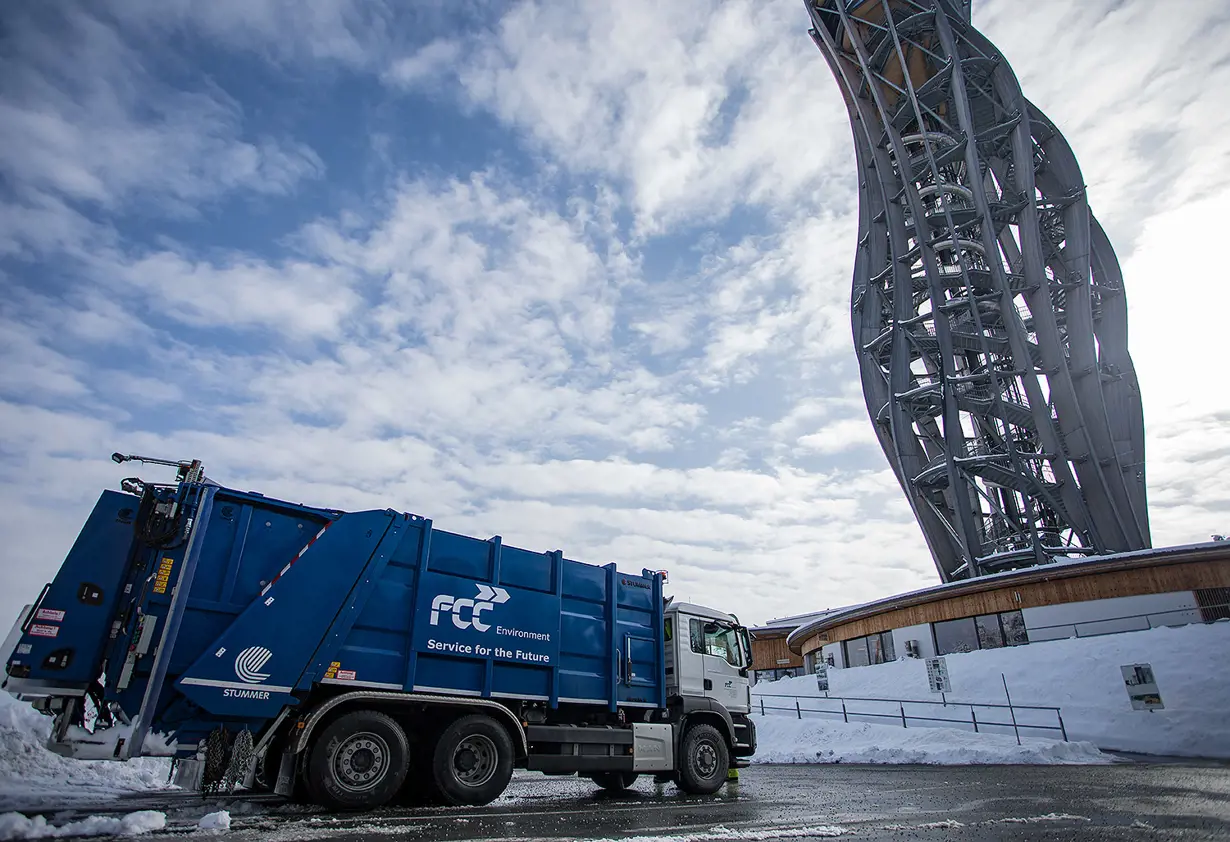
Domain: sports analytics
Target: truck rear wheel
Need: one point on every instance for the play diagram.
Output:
(614, 781)
(473, 761)
(704, 760)
(359, 761)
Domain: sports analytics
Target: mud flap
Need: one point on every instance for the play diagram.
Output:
(285, 786)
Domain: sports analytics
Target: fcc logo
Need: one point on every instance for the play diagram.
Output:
(488, 597)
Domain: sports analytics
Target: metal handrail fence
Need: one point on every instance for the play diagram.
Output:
(905, 718)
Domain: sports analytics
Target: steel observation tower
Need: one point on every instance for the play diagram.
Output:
(988, 307)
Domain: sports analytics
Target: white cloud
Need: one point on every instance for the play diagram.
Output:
(44, 372)
(699, 108)
(100, 129)
(1178, 356)
(428, 63)
(343, 31)
(1132, 86)
(298, 298)
(841, 435)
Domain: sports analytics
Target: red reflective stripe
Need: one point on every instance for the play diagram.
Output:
(298, 556)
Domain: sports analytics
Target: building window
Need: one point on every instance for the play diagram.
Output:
(955, 636)
(1014, 628)
(872, 649)
(856, 652)
(880, 648)
(990, 635)
(986, 631)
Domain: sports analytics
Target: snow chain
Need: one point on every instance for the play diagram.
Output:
(226, 760)
(241, 760)
(217, 758)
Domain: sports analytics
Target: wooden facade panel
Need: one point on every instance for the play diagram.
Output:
(1105, 585)
(767, 651)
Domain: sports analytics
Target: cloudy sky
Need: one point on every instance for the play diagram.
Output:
(574, 273)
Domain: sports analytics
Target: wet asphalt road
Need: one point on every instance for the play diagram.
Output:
(1124, 801)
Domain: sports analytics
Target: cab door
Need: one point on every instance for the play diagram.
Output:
(723, 661)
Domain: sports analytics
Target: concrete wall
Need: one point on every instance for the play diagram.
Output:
(1107, 616)
(921, 633)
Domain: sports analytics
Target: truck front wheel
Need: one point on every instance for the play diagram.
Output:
(359, 761)
(473, 761)
(704, 760)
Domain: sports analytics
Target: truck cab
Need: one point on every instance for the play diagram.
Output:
(708, 656)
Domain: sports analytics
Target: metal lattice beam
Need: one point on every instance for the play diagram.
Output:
(988, 308)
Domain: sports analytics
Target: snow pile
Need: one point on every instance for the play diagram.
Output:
(17, 826)
(1079, 675)
(785, 739)
(28, 769)
(220, 820)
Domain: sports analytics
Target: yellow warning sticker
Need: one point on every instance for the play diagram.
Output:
(163, 579)
(331, 672)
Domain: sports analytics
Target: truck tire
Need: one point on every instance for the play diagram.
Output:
(704, 760)
(614, 781)
(358, 762)
(473, 761)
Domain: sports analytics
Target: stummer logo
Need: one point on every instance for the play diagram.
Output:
(250, 662)
(466, 612)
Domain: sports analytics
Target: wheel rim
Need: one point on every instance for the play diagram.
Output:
(360, 761)
(474, 760)
(706, 759)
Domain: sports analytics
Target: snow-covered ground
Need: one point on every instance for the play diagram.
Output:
(28, 768)
(785, 739)
(17, 826)
(1080, 676)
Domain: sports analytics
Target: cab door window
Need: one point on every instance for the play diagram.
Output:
(697, 634)
(717, 639)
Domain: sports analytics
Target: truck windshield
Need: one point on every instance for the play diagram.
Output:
(721, 640)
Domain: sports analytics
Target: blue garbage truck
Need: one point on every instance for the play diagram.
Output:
(357, 658)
